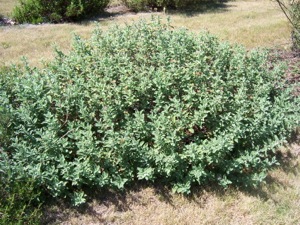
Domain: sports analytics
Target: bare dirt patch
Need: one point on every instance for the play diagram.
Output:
(292, 58)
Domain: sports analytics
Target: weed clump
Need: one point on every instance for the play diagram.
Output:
(147, 102)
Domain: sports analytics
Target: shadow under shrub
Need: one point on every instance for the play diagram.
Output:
(147, 102)
(38, 11)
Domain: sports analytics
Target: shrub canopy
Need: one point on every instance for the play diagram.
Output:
(38, 11)
(147, 102)
(140, 5)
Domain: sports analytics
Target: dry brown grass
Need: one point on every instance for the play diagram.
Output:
(36, 42)
(276, 202)
(6, 6)
(251, 23)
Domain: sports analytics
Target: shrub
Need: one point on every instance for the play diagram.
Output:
(140, 5)
(37, 11)
(4, 120)
(137, 5)
(5, 131)
(19, 198)
(146, 102)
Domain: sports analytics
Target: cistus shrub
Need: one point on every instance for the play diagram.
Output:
(148, 102)
(38, 11)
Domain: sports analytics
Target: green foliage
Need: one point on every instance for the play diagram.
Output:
(136, 5)
(37, 11)
(139, 5)
(146, 102)
(5, 131)
(4, 123)
(19, 197)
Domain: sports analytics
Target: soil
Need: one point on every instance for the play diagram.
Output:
(292, 58)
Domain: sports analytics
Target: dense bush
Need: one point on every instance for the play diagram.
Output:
(139, 5)
(4, 120)
(18, 193)
(37, 11)
(4, 112)
(146, 102)
(19, 197)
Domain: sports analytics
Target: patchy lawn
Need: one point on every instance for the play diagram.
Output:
(251, 23)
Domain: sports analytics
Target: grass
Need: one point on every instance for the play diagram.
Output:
(251, 23)
(6, 6)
